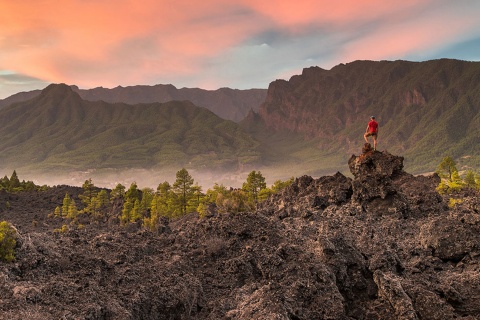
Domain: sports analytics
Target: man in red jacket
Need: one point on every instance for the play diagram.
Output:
(372, 130)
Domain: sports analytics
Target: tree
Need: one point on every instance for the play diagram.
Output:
(132, 193)
(8, 241)
(446, 168)
(66, 204)
(255, 183)
(88, 192)
(196, 196)
(126, 211)
(14, 181)
(469, 179)
(118, 192)
(136, 212)
(147, 198)
(276, 187)
(163, 202)
(98, 204)
(183, 189)
(72, 210)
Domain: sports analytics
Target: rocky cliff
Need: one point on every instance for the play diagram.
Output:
(425, 109)
(381, 245)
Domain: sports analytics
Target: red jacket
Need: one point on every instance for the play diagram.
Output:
(373, 126)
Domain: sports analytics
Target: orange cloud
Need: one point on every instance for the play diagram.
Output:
(112, 42)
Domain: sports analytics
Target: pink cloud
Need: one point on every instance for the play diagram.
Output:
(112, 42)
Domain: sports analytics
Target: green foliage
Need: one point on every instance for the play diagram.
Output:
(450, 186)
(236, 200)
(126, 212)
(118, 192)
(197, 197)
(88, 192)
(132, 193)
(447, 168)
(121, 136)
(15, 185)
(14, 181)
(136, 212)
(277, 186)
(184, 190)
(147, 198)
(255, 182)
(452, 202)
(66, 204)
(63, 229)
(469, 180)
(8, 241)
(72, 212)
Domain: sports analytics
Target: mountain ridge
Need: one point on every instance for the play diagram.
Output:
(426, 109)
(229, 104)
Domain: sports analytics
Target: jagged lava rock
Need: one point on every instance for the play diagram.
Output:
(382, 245)
(382, 187)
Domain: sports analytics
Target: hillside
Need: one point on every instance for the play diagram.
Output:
(229, 104)
(58, 131)
(426, 110)
(381, 245)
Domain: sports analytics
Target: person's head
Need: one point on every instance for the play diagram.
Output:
(372, 117)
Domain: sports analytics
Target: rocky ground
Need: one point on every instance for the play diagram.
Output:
(383, 245)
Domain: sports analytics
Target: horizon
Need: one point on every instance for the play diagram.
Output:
(211, 45)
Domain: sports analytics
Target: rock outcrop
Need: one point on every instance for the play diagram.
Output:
(380, 245)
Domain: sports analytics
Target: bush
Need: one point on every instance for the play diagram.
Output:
(8, 241)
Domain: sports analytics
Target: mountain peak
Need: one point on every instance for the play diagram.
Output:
(59, 90)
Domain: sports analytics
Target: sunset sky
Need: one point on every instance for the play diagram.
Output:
(219, 43)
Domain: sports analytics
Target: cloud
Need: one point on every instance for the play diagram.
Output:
(11, 83)
(215, 43)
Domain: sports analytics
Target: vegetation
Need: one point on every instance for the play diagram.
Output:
(7, 242)
(150, 207)
(13, 184)
(451, 180)
(150, 135)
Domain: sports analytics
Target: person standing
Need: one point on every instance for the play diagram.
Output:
(372, 131)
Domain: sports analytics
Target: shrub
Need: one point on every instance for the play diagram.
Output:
(8, 241)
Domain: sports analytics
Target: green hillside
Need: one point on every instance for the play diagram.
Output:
(59, 131)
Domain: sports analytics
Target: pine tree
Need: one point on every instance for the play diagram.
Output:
(14, 181)
(118, 192)
(136, 212)
(147, 197)
(88, 193)
(72, 210)
(66, 204)
(446, 168)
(469, 180)
(8, 242)
(183, 189)
(255, 183)
(132, 193)
(126, 212)
(163, 201)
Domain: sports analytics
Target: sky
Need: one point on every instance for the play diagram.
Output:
(211, 44)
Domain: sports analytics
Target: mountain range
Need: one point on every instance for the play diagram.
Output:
(307, 125)
(230, 104)
(58, 131)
